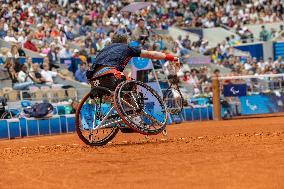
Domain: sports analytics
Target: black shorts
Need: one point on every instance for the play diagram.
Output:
(109, 81)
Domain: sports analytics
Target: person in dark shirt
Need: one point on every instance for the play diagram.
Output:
(111, 61)
(20, 50)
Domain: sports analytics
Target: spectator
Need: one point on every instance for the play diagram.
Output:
(186, 77)
(48, 75)
(16, 85)
(261, 64)
(10, 37)
(3, 33)
(62, 38)
(69, 34)
(278, 61)
(264, 34)
(47, 39)
(21, 37)
(186, 42)
(20, 50)
(29, 63)
(24, 15)
(14, 51)
(80, 74)
(39, 33)
(192, 78)
(76, 53)
(23, 75)
(53, 57)
(45, 49)
(247, 65)
(36, 75)
(54, 32)
(65, 52)
(29, 44)
(140, 33)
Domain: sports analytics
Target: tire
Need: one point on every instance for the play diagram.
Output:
(108, 132)
(140, 112)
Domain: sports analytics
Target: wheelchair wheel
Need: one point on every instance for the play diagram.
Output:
(90, 112)
(173, 100)
(140, 107)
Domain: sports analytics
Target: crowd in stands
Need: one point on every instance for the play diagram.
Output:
(252, 66)
(264, 35)
(229, 13)
(30, 74)
(79, 29)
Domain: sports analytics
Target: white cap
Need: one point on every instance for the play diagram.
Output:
(76, 51)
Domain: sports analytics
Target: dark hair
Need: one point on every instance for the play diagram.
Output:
(120, 36)
(216, 71)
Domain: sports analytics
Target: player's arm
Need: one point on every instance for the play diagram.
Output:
(160, 56)
(157, 55)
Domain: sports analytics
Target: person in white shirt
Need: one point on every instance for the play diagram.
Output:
(114, 20)
(124, 20)
(247, 65)
(279, 60)
(21, 37)
(261, 64)
(23, 75)
(48, 75)
(10, 37)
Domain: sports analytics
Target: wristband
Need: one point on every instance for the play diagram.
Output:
(169, 57)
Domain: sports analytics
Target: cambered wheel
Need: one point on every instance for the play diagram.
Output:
(87, 115)
(140, 107)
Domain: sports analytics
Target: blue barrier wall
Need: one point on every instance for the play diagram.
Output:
(201, 113)
(259, 104)
(256, 50)
(25, 127)
(278, 49)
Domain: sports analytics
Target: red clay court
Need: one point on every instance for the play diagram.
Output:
(247, 153)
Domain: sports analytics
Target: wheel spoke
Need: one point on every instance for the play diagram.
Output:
(134, 99)
(127, 103)
(151, 118)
